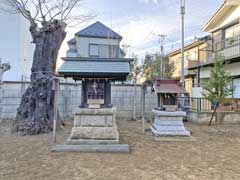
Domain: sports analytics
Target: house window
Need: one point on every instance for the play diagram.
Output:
(175, 61)
(232, 31)
(113, 51)
(93, 50)
(217, 38)
(192, 56)
(231, 35)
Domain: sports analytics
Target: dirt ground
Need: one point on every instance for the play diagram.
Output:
(214, 155)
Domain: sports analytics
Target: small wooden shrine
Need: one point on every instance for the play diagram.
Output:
(169, 93)
(168, 119)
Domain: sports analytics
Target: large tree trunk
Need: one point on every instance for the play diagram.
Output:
(36, 110)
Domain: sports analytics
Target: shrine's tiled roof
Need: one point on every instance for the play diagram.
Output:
(95, 67)
(168, 86)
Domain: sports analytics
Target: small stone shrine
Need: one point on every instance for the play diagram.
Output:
(168, 116)
(95, 59)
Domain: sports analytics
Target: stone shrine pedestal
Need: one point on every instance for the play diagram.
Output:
(94, 126)
(94, 130)
(168, 123)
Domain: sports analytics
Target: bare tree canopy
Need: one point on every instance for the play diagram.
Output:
(46, 11)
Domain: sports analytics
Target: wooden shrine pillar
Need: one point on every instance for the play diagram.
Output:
(107, 94)
(159, 100)
(84, 94)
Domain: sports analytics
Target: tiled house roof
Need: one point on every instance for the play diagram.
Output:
(98, 30)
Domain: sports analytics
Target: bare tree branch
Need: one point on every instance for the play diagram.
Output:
(47, 11)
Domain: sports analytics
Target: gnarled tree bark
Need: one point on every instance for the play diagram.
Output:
(36, 110)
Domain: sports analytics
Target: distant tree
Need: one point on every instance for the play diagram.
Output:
(168, 68)
(151, 68)
(218, 86)
(48, 20)
(147, 69)
(135, 69)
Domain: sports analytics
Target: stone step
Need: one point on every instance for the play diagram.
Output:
(92, 141)
(95, 148)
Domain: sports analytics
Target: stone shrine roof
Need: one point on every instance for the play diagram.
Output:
(79, 68)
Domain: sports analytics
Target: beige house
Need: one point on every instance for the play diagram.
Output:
(191, 59)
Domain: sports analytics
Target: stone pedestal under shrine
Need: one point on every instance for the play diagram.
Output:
(169, 123)
(94, 126)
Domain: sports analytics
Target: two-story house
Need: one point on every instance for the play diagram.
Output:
(224, 27)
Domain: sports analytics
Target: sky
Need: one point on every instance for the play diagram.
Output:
(140, 21)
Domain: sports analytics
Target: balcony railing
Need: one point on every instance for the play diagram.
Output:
(226, 49)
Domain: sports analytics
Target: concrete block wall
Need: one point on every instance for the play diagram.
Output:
(123, 100)
(9, 102)
(204, 117)
(70, 98)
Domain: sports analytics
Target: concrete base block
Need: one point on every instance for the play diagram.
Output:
(95, 133)
(94, 130)
(94, 125)
(169, 124)
(104, 148)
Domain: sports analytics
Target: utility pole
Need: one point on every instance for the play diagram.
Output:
(161, 42)
(198, 68)
(182, 64)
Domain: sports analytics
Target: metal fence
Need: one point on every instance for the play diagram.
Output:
(203, 105)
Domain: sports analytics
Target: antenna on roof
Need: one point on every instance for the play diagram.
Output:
(125, 47)
(111, 53)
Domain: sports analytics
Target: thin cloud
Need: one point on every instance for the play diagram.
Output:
(150, 1)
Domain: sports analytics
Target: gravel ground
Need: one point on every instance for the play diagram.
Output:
(214, 155)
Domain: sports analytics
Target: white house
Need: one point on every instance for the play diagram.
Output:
(96, 40)
(15, 46)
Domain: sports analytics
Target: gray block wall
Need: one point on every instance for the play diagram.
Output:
(70, 98)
